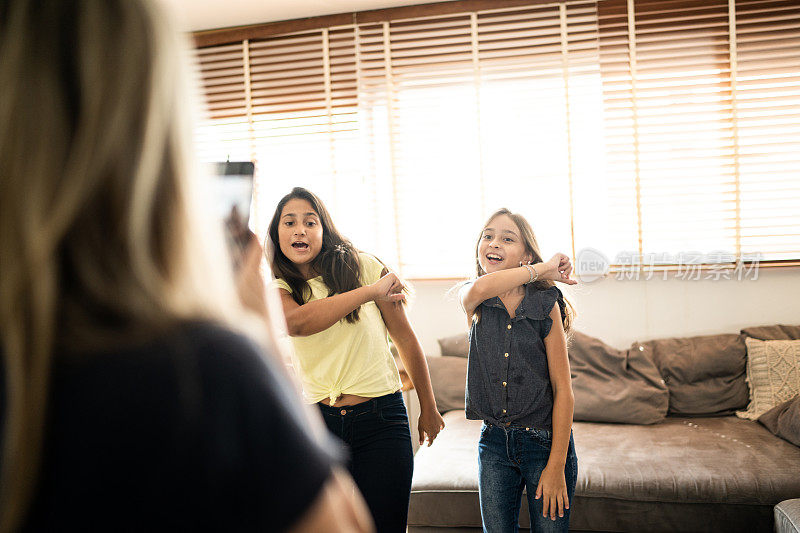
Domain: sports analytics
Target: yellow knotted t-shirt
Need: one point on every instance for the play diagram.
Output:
(346, 358)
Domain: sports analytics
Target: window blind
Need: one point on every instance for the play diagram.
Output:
(631, 127)
(767, 121)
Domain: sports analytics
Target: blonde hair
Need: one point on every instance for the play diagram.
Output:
(532, 248)
(101, 240)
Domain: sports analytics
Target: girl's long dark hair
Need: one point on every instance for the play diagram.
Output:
(337, 261)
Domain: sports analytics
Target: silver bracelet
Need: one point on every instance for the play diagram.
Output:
(537, 274)
(530, 272)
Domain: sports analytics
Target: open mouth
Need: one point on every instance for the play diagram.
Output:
(493, 259)
(300, 245)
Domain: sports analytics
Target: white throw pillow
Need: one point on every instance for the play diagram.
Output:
(773, 373)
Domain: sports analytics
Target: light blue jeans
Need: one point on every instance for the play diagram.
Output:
(511, 459)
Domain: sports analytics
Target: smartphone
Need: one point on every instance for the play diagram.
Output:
(233, 197)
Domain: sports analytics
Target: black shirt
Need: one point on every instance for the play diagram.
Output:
(508, 379)
(196, 431)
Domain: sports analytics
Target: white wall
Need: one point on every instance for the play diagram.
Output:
(621, 312)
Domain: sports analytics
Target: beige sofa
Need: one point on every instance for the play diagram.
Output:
(683, 473)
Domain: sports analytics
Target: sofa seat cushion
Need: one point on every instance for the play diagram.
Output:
(720, 461)
(444, 491)
(710, 460)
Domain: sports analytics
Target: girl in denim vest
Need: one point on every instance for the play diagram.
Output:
(518, 378)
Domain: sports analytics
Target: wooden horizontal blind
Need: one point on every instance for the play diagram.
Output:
(539, 111)
(425, 74)
(701, 103)
(631, 127)
(297, 116)
(226, 86)
(669, 126)
(767, 111)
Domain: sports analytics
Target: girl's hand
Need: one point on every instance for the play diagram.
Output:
(430, 424)
(558, 268)
(388, 289)
(552, 488)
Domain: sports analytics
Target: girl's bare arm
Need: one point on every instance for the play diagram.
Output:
(495, 284)
(413, 357)
(558, 268)
(552, 485)
(319, 315)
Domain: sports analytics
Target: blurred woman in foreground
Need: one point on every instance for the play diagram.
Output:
(132, 396)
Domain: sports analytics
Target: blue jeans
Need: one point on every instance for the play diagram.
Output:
(381, 462)
(511, 459)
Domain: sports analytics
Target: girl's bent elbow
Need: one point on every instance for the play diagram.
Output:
(295, 331)
(295, 327)
(473, 297)
(476, 291)
(300, 330)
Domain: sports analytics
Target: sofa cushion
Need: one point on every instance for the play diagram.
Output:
(455, 345)
(663, 477)
(784, 420)
(613, 385)
(449, 380)
(705, 375)
(773, 372)
(778, 332)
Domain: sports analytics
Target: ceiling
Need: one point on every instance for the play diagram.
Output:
(194, 15)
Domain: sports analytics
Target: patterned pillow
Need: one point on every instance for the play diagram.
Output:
(773, 372)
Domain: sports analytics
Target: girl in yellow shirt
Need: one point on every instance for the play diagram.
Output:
(340, 304)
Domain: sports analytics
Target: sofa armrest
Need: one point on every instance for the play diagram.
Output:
(787, 516)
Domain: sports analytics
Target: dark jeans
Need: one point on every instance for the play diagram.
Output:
(511, 459)
(378, 438)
